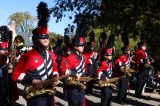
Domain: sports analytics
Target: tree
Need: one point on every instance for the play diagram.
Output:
(24, 21)
(54, 37)
(106, 12)
(134, 16)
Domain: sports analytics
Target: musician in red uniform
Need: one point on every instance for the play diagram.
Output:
(122, 61)
(37, 65)
(76, 64)
(91, 66)
(142, 62)
(6, 68)
(105, 73)
(63, 67)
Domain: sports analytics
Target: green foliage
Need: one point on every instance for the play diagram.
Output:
(53, 35)
(115, 16)
(53, 38)
(24, 21)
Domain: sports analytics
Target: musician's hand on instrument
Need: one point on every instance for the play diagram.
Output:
(122, 69)
(107, 79)
(95, 55)
(68, 71)
(55, 83)
(38, 83)
(10, 68)
(79, 75)
(53, 88)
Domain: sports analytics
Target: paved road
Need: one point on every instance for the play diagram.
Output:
(94, 100)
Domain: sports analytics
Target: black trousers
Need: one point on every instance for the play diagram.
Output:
(64, 88)
(43, 100)
(106, 96)
(142, 77)
(76, 97)
(3, 92)
(122, 91)
(89, 89)
(91, 73)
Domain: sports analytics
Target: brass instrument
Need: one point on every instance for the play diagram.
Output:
(148, 65)
(32, 91)
(128, 71)
(151, 60)
(111, 82)
(19, 41)
(79, 82)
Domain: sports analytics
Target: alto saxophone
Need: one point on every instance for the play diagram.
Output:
(32, 91)
(81, 82)
(111, 82)
(128, 71)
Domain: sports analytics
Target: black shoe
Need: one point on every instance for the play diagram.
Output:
(138, 95)
(65, 98)
(145, 97)
(89, 93)
(121, 103)
(126, 101)
(142, 97)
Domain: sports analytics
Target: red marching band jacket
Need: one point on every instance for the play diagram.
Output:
(74, 64)
(3, 71)
(141, 57)
(90, 56)
(63, 65)
(123, 60)
(31, 65)
(105, 70)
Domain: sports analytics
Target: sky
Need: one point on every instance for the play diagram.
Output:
(8, 7)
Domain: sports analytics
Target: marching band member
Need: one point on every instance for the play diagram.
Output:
(105, 73)
(76, 64)
(142, 63)
(123, 61)
(39, 64)
(7, 97)
(91, 65)
(63, 67)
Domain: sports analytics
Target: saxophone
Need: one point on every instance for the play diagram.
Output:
(128, 71)
(111, 82)
(79, 82)
(32, 91)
